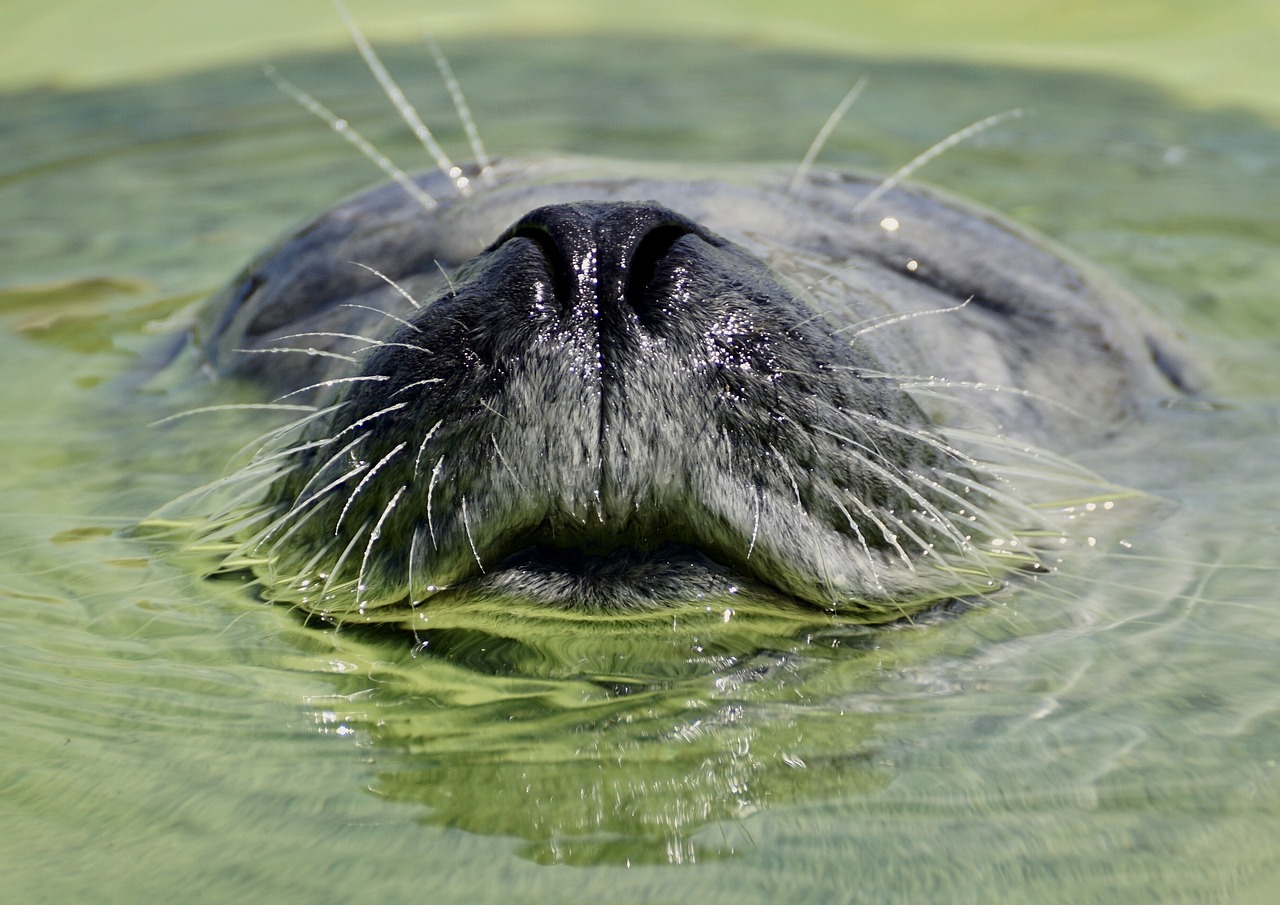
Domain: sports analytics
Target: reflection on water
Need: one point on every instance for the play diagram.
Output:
(1108, 734)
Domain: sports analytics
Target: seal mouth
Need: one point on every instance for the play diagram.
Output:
(619, 579)
(594, 570)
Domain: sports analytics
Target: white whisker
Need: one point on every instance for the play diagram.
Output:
(862, 542)
(448, 279)
(820, 140)
(1065, 467)
(364, 482)
(211, 487)
(332, 382)
(261, 457)
(918, 382)
(931, 154)
(402, 105)
(755, 522)
(781, 460)
(394, 285)
(888, 534)
(387, 314)
(872, 461)
(373, 539)
(422, 447)
(317, 473)
(320, 353)
(266, 441)
(361, 144)
(342, 558)
(356, 425)
(466, 525)
(225, 527)
(415, 535)
(235, 407)
(300, 504)
(304, 574)
(244, 496)
(426, 381)
(431, 487)
(885, 320)
(370, 342)
(464, 112)
(506, 464)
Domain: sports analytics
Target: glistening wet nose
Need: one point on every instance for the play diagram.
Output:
(603, 255)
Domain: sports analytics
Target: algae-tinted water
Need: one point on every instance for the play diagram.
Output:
(1109, 735)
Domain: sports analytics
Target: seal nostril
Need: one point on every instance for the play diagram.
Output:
(603, 257)
(648, 254)
(558, 264)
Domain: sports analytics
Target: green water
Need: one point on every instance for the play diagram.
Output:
(1109, 735)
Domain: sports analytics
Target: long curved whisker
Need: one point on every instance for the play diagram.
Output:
(426, 381)
(332, 382)
(333, 334)
(303, 574)
(393, 284)
(234, 407)
(348, 133)
(361, 422)
(387, 314)
(932, 153)
(877, 581)
(888, 535)
(448, 278)
(374, 535)
(870, 325)
(266, 441)
(243, 497)
(431, 487)
(464, 112)
(873, 460)
(298, 507)
(227, 528)
(212, 487)
(422, 448)
(820, 140)
(320, 353)
(342, 559)
(918, 382)
(364, 482)
(466, 525)
(402, 105)
(300, 503)
(323, 469)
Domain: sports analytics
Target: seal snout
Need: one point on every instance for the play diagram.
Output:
(603, 257)
(612, 406)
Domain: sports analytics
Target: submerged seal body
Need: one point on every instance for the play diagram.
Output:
(601, 387)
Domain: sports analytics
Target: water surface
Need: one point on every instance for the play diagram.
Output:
(1111, 734)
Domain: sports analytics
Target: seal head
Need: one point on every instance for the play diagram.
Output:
(612, 407)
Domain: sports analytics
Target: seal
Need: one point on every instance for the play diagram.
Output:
(591, 391)
(599, 386)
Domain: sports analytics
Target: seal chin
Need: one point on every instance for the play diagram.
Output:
(612, 407)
